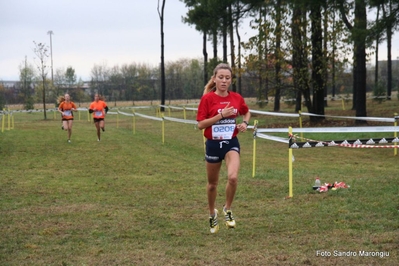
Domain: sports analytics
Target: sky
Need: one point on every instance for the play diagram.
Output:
(100, 32)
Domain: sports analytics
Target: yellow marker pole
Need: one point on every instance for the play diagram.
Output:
(254, 149)
(203, 137)
(184, 112)
(134, 122)
(395, 134)
(88, 115)
(343, 104)
(290, 194)
(117, 118)
(300, 122)
(163, 130)
(9, 119)
(2, 121)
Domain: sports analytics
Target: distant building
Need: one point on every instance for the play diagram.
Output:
(9, 83)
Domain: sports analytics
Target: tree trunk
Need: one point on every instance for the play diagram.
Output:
(299, 58)
(215, 45)
(325, 52)
(317, 62)
(376, 52)
(389, 55)
(44, 95)
(205, 53)
(232, 48)
(277, 57)
(224, 35)
(360, 55)
(296, 55)
(163, 82)
(239, 79)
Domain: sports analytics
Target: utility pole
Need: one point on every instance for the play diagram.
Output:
(50, 32)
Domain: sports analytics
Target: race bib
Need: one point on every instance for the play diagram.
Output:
(99, 113)
(223, 131)
(67, 113)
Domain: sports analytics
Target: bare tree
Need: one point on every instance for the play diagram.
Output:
(100, 79)
(41, 51)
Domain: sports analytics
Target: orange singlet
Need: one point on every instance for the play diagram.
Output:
(66, 108)
(100, 109)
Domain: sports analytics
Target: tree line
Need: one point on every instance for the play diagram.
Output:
(132, 82)
(303, 49)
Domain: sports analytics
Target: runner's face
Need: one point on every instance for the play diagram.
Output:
(222, 79)
(67, 97)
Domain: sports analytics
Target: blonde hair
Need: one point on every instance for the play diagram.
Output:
(211, 84)
(60, 99)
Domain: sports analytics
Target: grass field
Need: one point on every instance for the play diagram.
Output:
(133, 200)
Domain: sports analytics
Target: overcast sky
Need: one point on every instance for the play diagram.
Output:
(98, 32)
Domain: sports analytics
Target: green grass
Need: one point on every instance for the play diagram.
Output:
(131, 200)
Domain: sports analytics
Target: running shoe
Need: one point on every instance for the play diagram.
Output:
(69, 141)
(229, 218)
(62, 127)
(213, 221)
(103, 129)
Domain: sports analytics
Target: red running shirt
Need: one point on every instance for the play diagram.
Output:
(212, 104)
